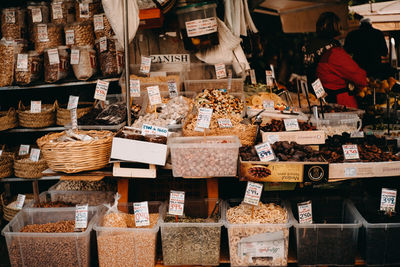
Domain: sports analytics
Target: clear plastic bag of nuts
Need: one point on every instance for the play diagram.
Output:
(83, 62)
(7, 60)
(13, 23)
(62, 11)
(102, 26)
(47, 36)
(56, 64)
(37, 12)
(86, 9)
(28, 67)
(110, 55)
(79, 34)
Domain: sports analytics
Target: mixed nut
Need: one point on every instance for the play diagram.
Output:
(221, 102)
(279, 126)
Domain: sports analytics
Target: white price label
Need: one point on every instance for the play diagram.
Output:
(74, 56)
(388, 199)
(42, 33)
(84, 10)
(253, 193)
(57, 11)
(204, 118)
(272, 70)
(81, 216)
(154, 95)
(172, 88)
(22, 62)
(10, 16)
(23, 150)
(145, 64)
(253, 76)
(273, 138)
(141, 211)
(176, 202)
(36, 106)
(154, 130)
(318, 89)
(35, 154)
(53, 56)
(134, 86)
(101, 90)
(70, 37)
(305, 212)
(291, 125)
(20, 201)
(268, 105)
(220, 71)
(74, 118)
(98, 22)
(273, 249)
(73, 102)
(103, 44)
(350, 172)
(269, 79)
(36, 15)
(265, 152)
(201, 26)
(350, 152)
(224, 123)
(357, 134)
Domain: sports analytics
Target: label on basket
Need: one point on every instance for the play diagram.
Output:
(70, 37)
(35, 154)
(224, 123)
(36, 15)
(22, 62)
(57, 11)
(220, 71)
(269, 79)
(350, 152)
(176, 202)
(388, 199)
(101, 90)
(253, 193)
(265, 245)
(172, 88)
(74, 118)
(103, 44)
(272, 70)
(81, 216)
(154, 130)
(358, 134)
(253, 76)
(84, 10)
(74, 56)
(265, 152)
(141, 211)
(318, 89)
(73, 102)
(305, 212)
(201, 27)
(269, 105)
(291, 124)
(20, 201)
(134, 86)
(42, 33)
(98, 22)
(145, 64)
(36, 106)
(10, 16)
(53, 56)
(23, 150)
(204, 118)
(154, 95)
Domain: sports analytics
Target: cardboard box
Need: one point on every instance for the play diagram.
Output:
(300, 137)
(351, 170)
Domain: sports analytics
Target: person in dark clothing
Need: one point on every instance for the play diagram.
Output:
(367, 45)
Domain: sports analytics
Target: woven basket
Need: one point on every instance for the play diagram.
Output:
(9, 213)
(25, 168)
(43, 119)
(64, 115)
(8, 119)
(6, 166)
(73, 157)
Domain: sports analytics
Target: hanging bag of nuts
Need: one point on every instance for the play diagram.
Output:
(47, 36)
(56, 64)
(37, 12)
(28, 68)
(79, 33)
(62, 11)
(7, 61)
(13, 23)
(86, 9)
(102, 26)
(111, 57)
(83, 61)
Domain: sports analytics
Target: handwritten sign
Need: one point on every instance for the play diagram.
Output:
(35, 154)
(291, 124)
(305, 212)
(154, 130)
(23, 150)
(265, 152)
(350, 152)
(204, 118)
(101, 90)
(134, 86)
(176, 202)
(172, 88)
(253, 193)
(141, 211)
(81, 216)
(154, 95)
(220, 71)
(36, 106)
(318, 89)
(224, 123)
(145, 64)
(20, 201)
(388, 199)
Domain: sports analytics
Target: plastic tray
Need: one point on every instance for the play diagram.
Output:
(48, 249)
(192, 243)
(193, 157)
(127, 246)
(335, 123)
(327, 243)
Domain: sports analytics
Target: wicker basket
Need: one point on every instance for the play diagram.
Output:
(8, 119)
(6, 166)
(73, 157)
(25, 168)
(43, 119)
(64, 115)
(9, 212)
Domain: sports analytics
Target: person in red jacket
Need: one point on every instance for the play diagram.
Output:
(325, 59)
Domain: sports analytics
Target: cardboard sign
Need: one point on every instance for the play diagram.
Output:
(134, 86)
(23, 150)
(36, 106)
(388, 199)
(305, 212)
(20, 201)
(220, 71)
(172, 88)
(101, 90)
(141, 211)
(73, 102)
(154, 95)
(253, 76)
(154, 130)
(253, 193)
(224, 123)
(74, 56)
(54, 59)
(22, 62)
(98, 22)
(204, 118)
(176, 202)
(350, 152)
(318, 89)
(35, 154)
(81, 216)
(265, 152)
(145, 64)
(291, 125)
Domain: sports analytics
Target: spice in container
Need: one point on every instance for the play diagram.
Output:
(33, 70)
(13, 23)
(83, 61)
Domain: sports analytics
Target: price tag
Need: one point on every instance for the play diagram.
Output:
(36, 106)
(22, 62)
(273, 138)
(204, 118)
(176, 202)
(172, 88)
(141, 211)
(70, 37)
(388, 199)
(269, 79)
(84, 10)
(53, 56)
(74, 118)
(224, 123)
(154, 130)
(272, 71)
(265, 152)
(103, 44)
(42, 33)
(350, 152)
(350, 172)
(35, 155)
(23, 150)
(253, 193)
(154, 95)
(291, 124)
(74, 56)
(81, 216)
(220, 71)
(57, 11)
(36, 15)
(318, 89)
(20, 201)
(73, 102)
(253, 76)
(358, 134)
(145, 64)
(268, 105)
(98, 22)
(305, 212)
(10, 16)
(134, 86)
(101, 90)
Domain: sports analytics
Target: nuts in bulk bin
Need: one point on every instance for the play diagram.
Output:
(102, 26)
(56, 64)
(79, 33)
(47, 36)
(13, 24)
(83, 61)
(26, 74)
(110, 55)
(62, 11)
(86, 9)
(7, 61)
(37, 12)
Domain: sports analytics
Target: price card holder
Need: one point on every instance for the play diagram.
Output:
(141, 211)
(20, 201)
(224, 123)
(73, 102)
(176, 202)
(101, 90)
(35, 154)
(36, 106)
(291, 125)
(23, 150)
(134, 86)
(203, 119)
(145, 65)
(172, 88)
(81, 216)
(253, 76)
(350, 152)
(220, 71)
(265, 152)
(305, 212)
(318, 89)
(388, 200)
(269, 105)
(154, 130)
(154, 95)
(253, 193)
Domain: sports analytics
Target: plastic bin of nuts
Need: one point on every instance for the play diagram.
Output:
(13, 24)
(199, 157)
(259, 237)
(51, 244)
